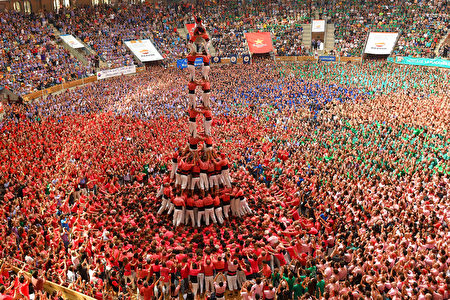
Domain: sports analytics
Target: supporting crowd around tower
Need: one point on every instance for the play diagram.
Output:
(199, 189)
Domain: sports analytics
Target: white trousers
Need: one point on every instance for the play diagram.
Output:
(184, 182)
(204, 184)
(226, 211)
(199, 217)
(189, 215)
(164, 205)
(209, 283)
(219, 215)
(178, 217)
(226, 178)
(232, 282)
(209, 213)
(195, 181)
(173, 171)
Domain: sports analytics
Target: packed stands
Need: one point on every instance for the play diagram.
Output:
(30, 58)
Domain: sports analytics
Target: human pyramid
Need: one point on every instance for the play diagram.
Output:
(199, 186)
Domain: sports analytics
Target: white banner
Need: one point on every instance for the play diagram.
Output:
(144, 50)
(381, 42)
(116, 72)
(318, 26)
(71, 41)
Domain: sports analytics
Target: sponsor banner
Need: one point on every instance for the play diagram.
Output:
(381, 42)
(418, 61)
(318, 26)
(144, 50)
(71, 41)
(182, 63)
(259, 42)
(327, 58)
(216, 59)
(233, 59)
(246, 59)
(116, 72)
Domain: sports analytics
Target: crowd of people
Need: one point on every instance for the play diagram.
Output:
(30, 57)
(345, 169)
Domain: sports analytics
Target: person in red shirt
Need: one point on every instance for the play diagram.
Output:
(226, 202)
(190, 204)
(192, 121)
(225, 173)
(209, 209)
(206, 88)
(200, 210)
(195, 180)
(184, 169)
(204, 183)
(208, 267)
(218, 209)
(178, 215)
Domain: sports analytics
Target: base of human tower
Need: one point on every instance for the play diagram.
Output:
(199, 189)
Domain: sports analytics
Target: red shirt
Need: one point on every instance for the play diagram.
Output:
(209, 269)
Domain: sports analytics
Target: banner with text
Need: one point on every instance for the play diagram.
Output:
(327, 58)
(259, 42)
(116, 72)
(381, 43)
(182, 63)
(144, 50)
(318, 26)
(71, 41)
(418, 61)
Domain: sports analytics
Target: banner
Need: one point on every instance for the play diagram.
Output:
(318, 26)
(233, 59)
(182, 63)
(144, 50)
(381, 42)
(246, 59)
(417, 61)
(216, 59)
(327, 58)
(259, 42)
(116, 72)
(71, 41)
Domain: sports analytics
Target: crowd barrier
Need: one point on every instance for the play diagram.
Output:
(63, 86)
(51, 287)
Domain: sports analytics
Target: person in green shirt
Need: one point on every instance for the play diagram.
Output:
(320, 289)
(299, 288)
(290, 280)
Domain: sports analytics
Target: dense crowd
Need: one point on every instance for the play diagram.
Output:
(345, 169)
(30, 58)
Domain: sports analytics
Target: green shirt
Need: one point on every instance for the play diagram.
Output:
(299, 291)
(290, 282)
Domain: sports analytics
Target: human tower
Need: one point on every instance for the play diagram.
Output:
(199, 188)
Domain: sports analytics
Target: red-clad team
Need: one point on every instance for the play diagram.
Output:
(199, 187)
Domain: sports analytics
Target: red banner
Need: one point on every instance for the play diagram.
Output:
(190, 29)
(259, 42)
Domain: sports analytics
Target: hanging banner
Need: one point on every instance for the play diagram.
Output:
(144, 50)
(216, 59)
(71, 41)
(259, 42)
(418, 61)
(182, 63)
(318, 26)
(233, 59)
(116, 72)
(381, 42)
(327, 58)
(246, 59)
